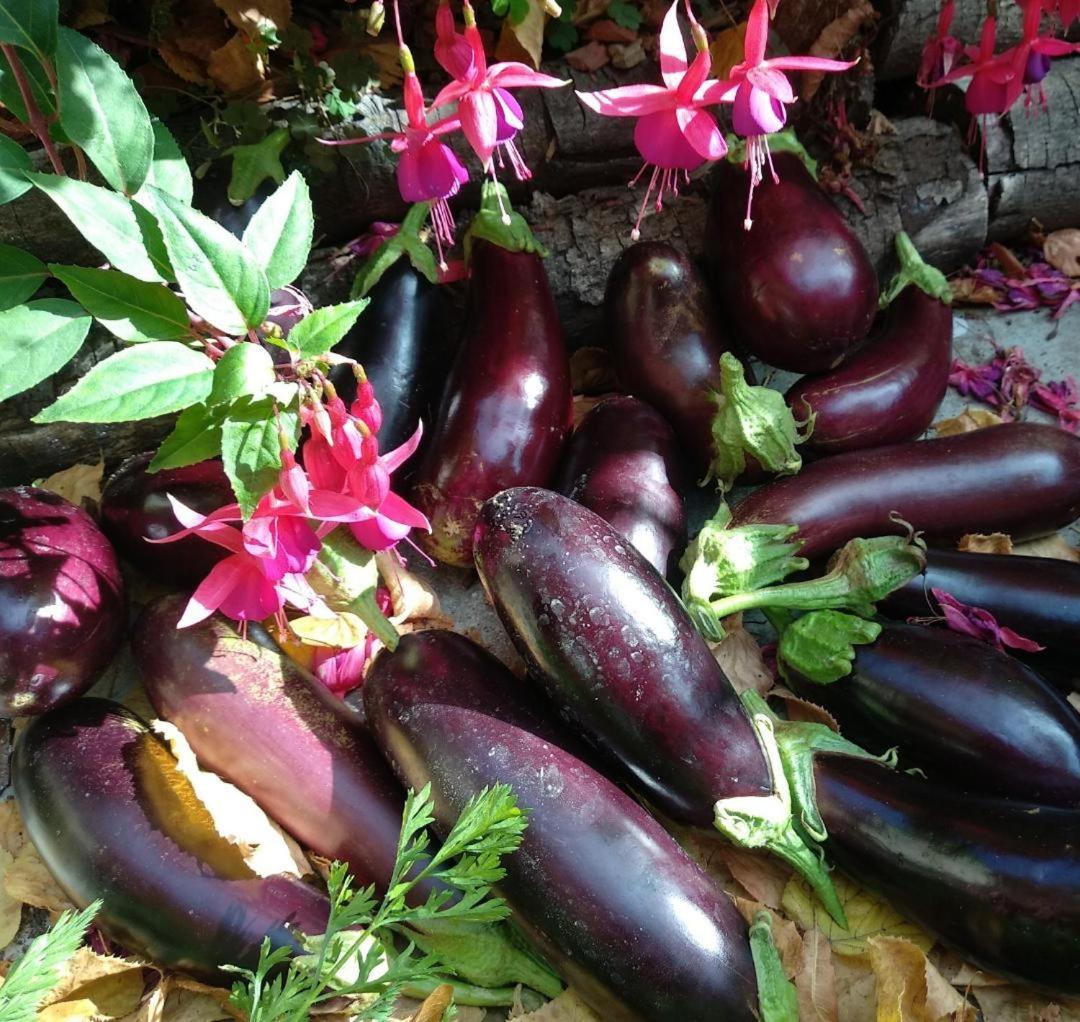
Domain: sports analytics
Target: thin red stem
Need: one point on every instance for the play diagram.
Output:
(397, 24)
(33, 111)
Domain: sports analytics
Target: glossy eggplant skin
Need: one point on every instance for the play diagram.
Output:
(135, 507)
(798, 288)
(889, 390)
(967, 714)
(623, 463)
(997, 880)
(620, 909)
(112, 818)
(255, 719)
(506, 409)
(405, 342)
(1019, 478)
(666, 340)
(62, 610)
(612, 646)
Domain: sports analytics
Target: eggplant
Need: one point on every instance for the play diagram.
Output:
(997, 880)
(135, 507)
(506, 410)
(798, 289)
(1019, 478)
(638, 929)
(666, 340)
(623, 462)
(112, 818)
(62, 611)
(405, 341)
(212, 199)
(967, 714)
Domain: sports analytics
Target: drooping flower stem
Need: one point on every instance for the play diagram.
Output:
(34, 116)
(913, 270)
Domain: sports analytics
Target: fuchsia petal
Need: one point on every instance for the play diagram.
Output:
(452, 49)
(695, 77)
(660, 141)
(450, 94)
(628, 100)
(756, 112)
(717, 92)
(414, 101)
(399, 510)
(771, 80)
(514, 75)
(509, 115)
(672, 48)
(1055, 47)
(702, 132)
(379, 534)
(210, 527)
(480, 123)
(408, 177)
(757, 33)
(808, 64)
(393, 460)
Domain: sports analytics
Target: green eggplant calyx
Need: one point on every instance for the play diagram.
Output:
(498, 223)
(767, 821)
(913, 270)
(785, 141)
(820, 646)
(778, 1000)
(469, 994)
(753, 421)
(405, 242)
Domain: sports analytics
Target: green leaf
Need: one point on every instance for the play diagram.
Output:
(279, 234)
(102, 112)
(777, 999)
(40, 87)
(169, 170)
(107, 220)
(251, 448)
(36, 340)
(253, 164)
(625, 14)
(195, 437)
(133, 309)
(31, 24)
(21, 274)
(14, 161)
(220, 280)
(137, 383)
(245, 370)
(318, 332)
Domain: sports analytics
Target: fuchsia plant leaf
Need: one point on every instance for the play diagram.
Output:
(980, 624)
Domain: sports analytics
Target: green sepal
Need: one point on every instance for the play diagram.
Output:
(778, 1001)
(785, 141)
(253, 164)
(913, 270)
(496, 221)
(755, 421)
(406, 242)
(820, 646)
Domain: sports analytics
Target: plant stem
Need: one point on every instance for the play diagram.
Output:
(80, 161)
(33, 111)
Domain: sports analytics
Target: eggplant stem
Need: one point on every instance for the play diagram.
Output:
(778, 1000)
(493, 224)
(915, 271)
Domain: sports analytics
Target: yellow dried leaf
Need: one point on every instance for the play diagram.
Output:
(237, 66)
(12, 834)
(341, 631)
(524, 40)
(727, 50)
(834, 38)
(95, 986)
(797, 708)
(910, 988)
(983, 543)
(411, 598)
(253, 17)
(1055, 546)
(969, 420)
(435, 1004)
(591, 371)
(740, 657)
(1062, 250)
(815, 980)
(762, 875)
(27, 880)
(10, 908)
(867, 915)
(856, 989)
(567, 1007)
(77, 484)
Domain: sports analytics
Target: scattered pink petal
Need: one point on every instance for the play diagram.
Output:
(980, 624)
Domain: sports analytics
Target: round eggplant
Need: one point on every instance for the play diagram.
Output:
(633, 923)
(798, 287)
(112, 818)
(135, 507)
(623, 463)
(62, 611)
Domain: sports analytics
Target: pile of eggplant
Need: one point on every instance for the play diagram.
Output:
(625, 717)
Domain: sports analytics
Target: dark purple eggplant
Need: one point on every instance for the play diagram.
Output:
(798, 289)
(997, 880)
(212, 198)
(506, 410)
(1020, 478)
(113, 818)
(623, 462)
(135, 507)
(62, 609)
(633, 923)
(666, 340)
(969, 715)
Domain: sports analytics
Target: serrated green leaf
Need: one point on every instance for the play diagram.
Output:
(21, 274)
(279, 234)
(30, 24)
(107, 220)
(135, 310)
(169, 171)
(195, 437)
(220, 280)
(152, 239)
(245, 370)
(36, 340)
(318, 332)
(251, 448)
(137, 383)
(14, 162)
(102, 112)
(253, 164)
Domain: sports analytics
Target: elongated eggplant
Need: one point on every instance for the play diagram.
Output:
(623, 463)
(135, 507)
(997, 880)
(1020, 478)
(61, 601)
(113, 818)
(798, 287)
(638, 929)
(506, 409)
(970, 716)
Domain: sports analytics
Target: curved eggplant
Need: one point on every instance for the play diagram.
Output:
(970, 716)
(61, 601)
(634, 924)
(135, 507)
(506, 410)
(997, 880)
(623, 463)
(798, 287)
(113, 818)
(1019, 478)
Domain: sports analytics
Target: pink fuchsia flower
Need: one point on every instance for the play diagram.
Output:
(1034, 54)
(979, 381)
(394, 517)
(980, 624)
(1059, 397)
(674, 133)
(342, 670)
(940, 52)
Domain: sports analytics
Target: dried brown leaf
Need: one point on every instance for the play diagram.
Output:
(524, 40)
(785, 934)
(740, 657)
(1055, 546)
(28, 881)
(909, 986)
(113, 986)
(727, 49)
(856, 989)
(969, 420)
(567, 1007)
(591, 371)
(833, 38)
(583, 404)
(79, 485)
(972, 291)
(815, 979)
(762, 875)
(411, 598)
(236, 67)
(797, 708)
(588, 58)
(1017, 1004)
(1062, 250)
(1008, 261)
(985, 543)
(10, 908)
(252, 17)
(88, 14)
